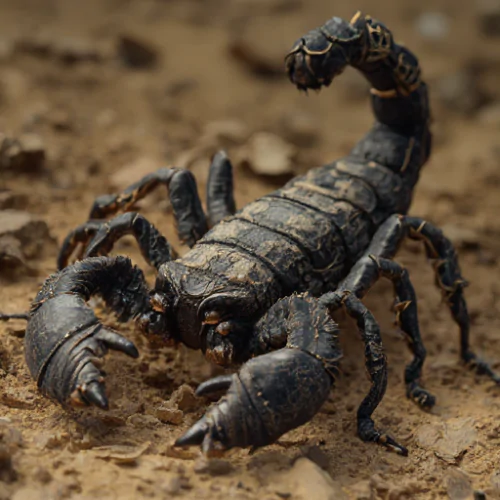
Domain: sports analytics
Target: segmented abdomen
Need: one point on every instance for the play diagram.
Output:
(305, 236)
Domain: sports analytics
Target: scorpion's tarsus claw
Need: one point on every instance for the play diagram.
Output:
(90, 386)
(480, 366)
(214, 384)
(392, 445)
(194, 435)
(95, 394)
(118, 343)
(368, 433)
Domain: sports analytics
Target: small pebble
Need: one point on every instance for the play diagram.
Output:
(137, 53)
(433, 25)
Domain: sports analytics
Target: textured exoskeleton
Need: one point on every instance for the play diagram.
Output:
(258, 286)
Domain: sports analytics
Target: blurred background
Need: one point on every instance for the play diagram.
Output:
(96, 94)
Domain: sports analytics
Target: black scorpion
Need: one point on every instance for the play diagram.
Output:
(260, 285)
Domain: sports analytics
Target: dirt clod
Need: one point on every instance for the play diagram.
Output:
(306, 480)
(458, 485)
(137, 53)
(448, 440)
(212, 466)
(31, 231)
(254, 60)
(269, 155)
(184, 398)
(23, 154)
(169, 415)
(433, 26)
(488, 15)
(120, 454)
(461, 92)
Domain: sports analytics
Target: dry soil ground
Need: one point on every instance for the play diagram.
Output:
(216, 82)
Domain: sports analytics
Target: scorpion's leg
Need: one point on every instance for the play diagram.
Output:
(278, 391)
(376, 365)
(81, 235)
(154, 247)
(220, 197)
(65, 342)
(377, 262)
(189, 216)
(448, 278)
(365, 273)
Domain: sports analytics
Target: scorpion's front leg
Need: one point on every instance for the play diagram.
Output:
(276, 392)
(96, 236)
(65, 342)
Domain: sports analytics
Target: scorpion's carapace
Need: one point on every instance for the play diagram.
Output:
(258, 286)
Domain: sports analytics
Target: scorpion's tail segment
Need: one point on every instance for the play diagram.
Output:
(65, 342)
(275, 392)
(366, 44)
(220, 196)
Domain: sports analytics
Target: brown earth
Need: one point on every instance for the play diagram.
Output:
(104, 124)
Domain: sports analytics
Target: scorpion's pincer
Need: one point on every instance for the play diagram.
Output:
(65, 343)
(275, 392)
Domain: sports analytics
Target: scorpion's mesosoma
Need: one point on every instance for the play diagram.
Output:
(260, 285)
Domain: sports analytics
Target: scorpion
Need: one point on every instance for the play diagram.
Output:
(258, 287)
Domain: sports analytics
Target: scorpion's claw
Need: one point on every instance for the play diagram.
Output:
(69, 370)
(271, 395)
(65, 344)
(275, 392)
(117, 342)
(90, 387)
(215, 384)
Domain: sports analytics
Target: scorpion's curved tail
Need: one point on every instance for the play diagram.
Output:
(65, 341)
(400, 139)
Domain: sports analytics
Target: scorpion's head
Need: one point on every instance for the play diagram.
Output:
(319, 56)
(200, 311)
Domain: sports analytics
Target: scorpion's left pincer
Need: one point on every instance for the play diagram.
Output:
(275, 392)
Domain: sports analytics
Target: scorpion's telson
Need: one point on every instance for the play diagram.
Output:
(256, 288)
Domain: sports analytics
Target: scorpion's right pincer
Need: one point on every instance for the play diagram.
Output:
(275, 392)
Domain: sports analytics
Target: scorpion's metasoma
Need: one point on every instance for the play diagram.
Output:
(260, 285)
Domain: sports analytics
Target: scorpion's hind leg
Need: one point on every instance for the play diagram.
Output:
(444, 259)
(190, 218)
(65, 342)
(276, 391)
